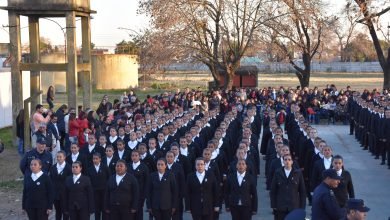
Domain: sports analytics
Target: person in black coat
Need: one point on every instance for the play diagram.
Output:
(58, 174)
(79, 194)
(109, 160)
(177, 170)
(121, 153)
(344, 190)
(38, 194)
(202, 192)
(141, 173)
(75, 155)
(181, 159)
(99, 174)
(287, 189)
(241, 194)
(38, 153)
(122, 194)
(162, 192)
(90, 149)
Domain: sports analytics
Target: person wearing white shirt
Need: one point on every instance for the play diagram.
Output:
(241, 193)
(80, 199)
(38, 194)
(287, 181)
(345, 189)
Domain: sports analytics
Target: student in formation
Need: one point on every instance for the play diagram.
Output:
(38, 194)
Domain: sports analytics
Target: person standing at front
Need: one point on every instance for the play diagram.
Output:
(38, 194)
(241, 193)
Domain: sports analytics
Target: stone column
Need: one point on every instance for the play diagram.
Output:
(71, 79)
(86, 57)
(35, 76)
(16, 74)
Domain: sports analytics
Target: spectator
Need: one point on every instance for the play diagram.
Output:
(50, 97)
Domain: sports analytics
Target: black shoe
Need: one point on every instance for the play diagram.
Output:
(388, 167)
(376, 157)
(350, 133)
(365, 148)
(382, 163)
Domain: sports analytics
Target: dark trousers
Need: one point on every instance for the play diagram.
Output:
(178, 215)
(140, 211)
(121, 213)
(80, 214)
(351, 126)
(202, 217)
(159, 214)
(99, 202)
(59, 210)
(280, 215)
(37, 214)
(241, 212)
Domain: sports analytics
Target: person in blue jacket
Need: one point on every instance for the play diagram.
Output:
(37, 153)
(324, 203)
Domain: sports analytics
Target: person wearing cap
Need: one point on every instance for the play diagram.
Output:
(44, 133)
(356, 210)
(37, 153)
(324, 203)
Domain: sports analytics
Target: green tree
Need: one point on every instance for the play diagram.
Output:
(126, 47)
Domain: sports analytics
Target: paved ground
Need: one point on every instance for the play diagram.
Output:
(371, 180)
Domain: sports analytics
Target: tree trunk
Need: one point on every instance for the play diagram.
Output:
(304, 78)
(386, 72)
(229, 79)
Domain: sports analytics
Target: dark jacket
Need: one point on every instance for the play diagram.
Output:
(45, 157)
(126, 194)
(344, 190)
(288, 193)
(38, 193)
(162, 194)
(58, 180)
(79, 195)
(99, 179)
(246, 193)
(202, 197)
(141, 173)
(324, 204)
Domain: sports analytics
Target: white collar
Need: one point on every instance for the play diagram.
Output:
(76, 177)
(241, 175)
(61, 166)
(135, 165)
(339, 172)
(200, 174)
(36, 176)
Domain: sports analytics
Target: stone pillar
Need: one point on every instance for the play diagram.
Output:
(35, 77)
(86, 57)
(16, 74)
(71, 79)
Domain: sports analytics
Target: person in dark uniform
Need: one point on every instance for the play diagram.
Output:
(99, 174)
(75, 155)
(356, 210)
(37, 153)
(345, 189)
(121, 153)
(122, 194)
(141, 173)
(324, 204)
(202, 192)
(162, 192)
(90, 149)
(38, 194)
(287, 189)
(79, 194)
(241, 194)
(177, 170)
(58, 174)
(109, 160)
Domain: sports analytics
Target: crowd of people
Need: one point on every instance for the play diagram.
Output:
(193, 151)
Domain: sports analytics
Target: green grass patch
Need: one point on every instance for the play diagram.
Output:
(11, 185)
(6, 136)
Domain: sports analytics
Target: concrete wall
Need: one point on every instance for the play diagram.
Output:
(56, 79)
(114, 71)
(6, 95)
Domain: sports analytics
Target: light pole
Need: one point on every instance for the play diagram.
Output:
(63, 31)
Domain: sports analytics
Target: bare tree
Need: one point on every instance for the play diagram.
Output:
(344, 27)
(302, 28)
(371, 12)
(217, 33)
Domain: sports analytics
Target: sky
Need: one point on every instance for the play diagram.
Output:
(105, 33)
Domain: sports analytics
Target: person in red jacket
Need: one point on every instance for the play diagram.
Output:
(83, 124)
(73, 128)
